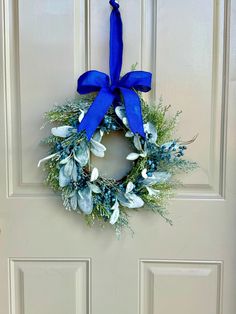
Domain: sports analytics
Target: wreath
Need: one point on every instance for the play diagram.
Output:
(106, 105)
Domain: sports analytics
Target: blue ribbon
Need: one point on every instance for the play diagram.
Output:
(110, 89)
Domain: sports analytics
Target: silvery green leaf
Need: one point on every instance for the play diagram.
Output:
(98, 136)
(157, 177)
(133, 156)
(46, 158)
(151, 129)
(74, 173)
(116, 205)
(97, 153)
(63, 180)
(81, 116)
(130, 186)
(62, 131)
(114, 217)
(129, 134)
(143, 154)
(94, 174)
(85, 200)
(133, 201)
(94, 188)
(137, 142)
(144, 173)
(152, 192)
(68, 168)
(120, 112)
(65, 160)
(125, 122)
(74, 201)
(97, 148)
(81, 155)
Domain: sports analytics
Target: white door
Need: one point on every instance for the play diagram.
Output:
(50, 261)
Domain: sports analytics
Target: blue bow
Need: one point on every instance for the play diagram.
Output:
(112, 88)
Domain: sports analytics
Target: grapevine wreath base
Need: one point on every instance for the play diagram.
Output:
(157, 159)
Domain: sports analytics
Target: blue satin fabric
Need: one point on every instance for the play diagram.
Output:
(110, 88)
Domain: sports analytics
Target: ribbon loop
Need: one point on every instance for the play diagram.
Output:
(139, 80)
(92, 81)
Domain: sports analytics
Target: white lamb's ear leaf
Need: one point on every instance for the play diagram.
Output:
(97, 148)
(85, 201)
(68, 168)
(125, 122)
(94, 174)
(97, 153)
(130, 186)
(134, 201)
(74, 173)
(81, 155)
(63, 180)
(144, 173)
(65, 160)
(120, 112)
(81, 116)
(137, 142)
(62, 131)
(46, 158)
(130, 200)
(133, 156)
(157, 177)
(129, 134)
(94, 188)
(153, 192)
(98, 136)
(74, 201)
(114, 217)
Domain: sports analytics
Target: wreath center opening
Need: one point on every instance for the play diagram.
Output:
(114, 164)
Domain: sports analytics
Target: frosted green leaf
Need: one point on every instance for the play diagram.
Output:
(129, 134)
(85, 200)
(132, 201)
(97, 148)
(74, 173)
(129, 187)
(152, 192)
(94, 174)
(68, 168)
(74, 201)
(144, 173)
(62, 131)
(81, 154)
(65, 160)
(63, 180)
(137, 142)
(94, 188)
(157, 177)
(114, 217)
(120, 112)
(132, 156)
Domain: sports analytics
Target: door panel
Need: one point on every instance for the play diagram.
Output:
(50, 261)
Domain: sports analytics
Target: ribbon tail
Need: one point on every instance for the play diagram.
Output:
(133, 111)
(95, 113)
(116, 45)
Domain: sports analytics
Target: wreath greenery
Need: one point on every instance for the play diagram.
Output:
(152, 180)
